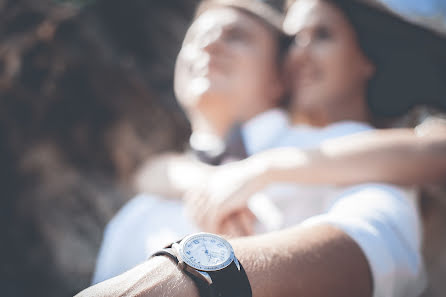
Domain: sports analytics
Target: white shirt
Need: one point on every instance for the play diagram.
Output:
(265, 130)
(277, 206)
(382, 219)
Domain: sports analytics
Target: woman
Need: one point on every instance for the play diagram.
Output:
(392, 89)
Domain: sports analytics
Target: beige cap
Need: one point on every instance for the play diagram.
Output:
(268, 10)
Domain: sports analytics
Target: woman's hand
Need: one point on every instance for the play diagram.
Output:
(238, 224)
(220, 205)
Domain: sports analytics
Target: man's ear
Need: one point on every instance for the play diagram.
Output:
(369, 68)
(279, 88)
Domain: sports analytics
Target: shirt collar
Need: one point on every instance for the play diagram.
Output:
(260, 132)
(342, 127)
(350, 126)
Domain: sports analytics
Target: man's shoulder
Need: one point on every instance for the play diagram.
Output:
(378, 193)
(135, 210)
(371, 199)
(380, 189)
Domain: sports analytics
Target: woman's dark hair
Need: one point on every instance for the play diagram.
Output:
(410, 61)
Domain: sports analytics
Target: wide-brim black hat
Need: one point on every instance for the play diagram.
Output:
(409, 52)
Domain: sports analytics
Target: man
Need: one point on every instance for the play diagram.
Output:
(338, 236)
(228, 71)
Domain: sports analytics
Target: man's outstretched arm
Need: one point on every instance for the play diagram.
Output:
(301, 261)
(371, 232)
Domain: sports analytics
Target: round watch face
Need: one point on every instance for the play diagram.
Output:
(207, 252)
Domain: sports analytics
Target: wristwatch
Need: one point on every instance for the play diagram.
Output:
(210, 261)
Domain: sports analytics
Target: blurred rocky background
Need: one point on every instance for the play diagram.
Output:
(85, 96)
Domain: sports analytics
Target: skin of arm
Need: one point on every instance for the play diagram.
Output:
(396, 156)
(170, 175)
(313, 261)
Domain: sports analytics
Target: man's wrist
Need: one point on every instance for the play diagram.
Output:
(158, 276)
(169, 278)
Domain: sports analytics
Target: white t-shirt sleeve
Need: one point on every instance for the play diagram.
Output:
(384, 221)
(145, 224)
(122, 245)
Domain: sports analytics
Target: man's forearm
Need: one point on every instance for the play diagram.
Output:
(314, 261)
(157, 277)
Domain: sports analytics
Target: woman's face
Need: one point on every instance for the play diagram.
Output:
(326, 67)
(228, 63)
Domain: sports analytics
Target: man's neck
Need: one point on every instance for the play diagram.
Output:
(215, 125)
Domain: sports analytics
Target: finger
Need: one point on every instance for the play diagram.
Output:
(248, 213)
(207, 211)
(247, 221)
(230, 228)
(244, 221)
(190, 201)
(194, 207)
(191, 197)
(225, 212)
(240, 222)
(202, 218)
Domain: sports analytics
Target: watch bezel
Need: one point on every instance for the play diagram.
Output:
(220, 266)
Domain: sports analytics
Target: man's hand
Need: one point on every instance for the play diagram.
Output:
(220, 205)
